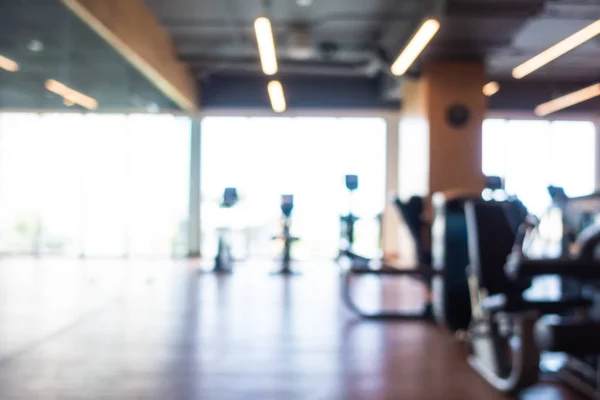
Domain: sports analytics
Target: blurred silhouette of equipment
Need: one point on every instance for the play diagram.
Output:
(287, 206)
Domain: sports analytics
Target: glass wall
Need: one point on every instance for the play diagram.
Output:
(94, 185)
(307, 157)
(531, 155)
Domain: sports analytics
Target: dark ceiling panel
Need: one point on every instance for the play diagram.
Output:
(229, 91)
(71, 53)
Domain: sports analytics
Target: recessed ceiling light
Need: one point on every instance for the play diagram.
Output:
(35, 46)
(304, 3)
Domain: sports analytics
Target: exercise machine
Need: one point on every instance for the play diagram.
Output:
(348, 221)
(572, 216)
(224, 258)
(507, 332)
(354, 266)
(287, 206)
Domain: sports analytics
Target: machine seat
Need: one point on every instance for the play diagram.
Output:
(553, 333)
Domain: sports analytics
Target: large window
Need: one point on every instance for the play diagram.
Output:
(307, 157)
(531, 155)
(94, 185)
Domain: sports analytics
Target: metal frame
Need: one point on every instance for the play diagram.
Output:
(348, 274)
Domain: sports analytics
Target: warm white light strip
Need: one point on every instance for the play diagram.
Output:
(568, 100)
(266, 45)
(8, 64)
(71, 95)
(491, 88)
(416, 45)
(557, 50)
(277, 96)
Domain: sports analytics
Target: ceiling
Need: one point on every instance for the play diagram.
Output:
(49, 42)
(358, 39)
(332, 53)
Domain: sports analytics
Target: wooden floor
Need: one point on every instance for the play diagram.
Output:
(159, 330)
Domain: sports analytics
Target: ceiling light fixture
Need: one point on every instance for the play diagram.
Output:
(557, 50)
(8, 64)
(491, 88)
(35, 46)
(277, 96)
(568, 100)
(416, 45)
(70, 95)
(266, 45)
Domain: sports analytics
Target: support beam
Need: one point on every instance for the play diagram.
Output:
(131, 29)
(194, 223)
(390, 217)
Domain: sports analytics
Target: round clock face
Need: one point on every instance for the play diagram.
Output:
(457, 115)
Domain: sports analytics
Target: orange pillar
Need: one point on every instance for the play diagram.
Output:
(440, 129)
(440, 132)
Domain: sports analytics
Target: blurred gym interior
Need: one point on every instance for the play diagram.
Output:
(299, 199)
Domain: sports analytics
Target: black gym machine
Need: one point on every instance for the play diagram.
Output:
(287, 206)
(442, 265)
(224, 258)
(508, 328)
(354, 265)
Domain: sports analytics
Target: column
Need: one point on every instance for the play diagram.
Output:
(194, 224)
(390, 218)
(440, 129)
(440, 134)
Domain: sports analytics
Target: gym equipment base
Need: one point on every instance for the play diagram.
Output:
(218, 271)
(286, 272)
(348, 273)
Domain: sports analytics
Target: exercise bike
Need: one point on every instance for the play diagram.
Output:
(507, 330)
(224, 258)
(287, 206)
(354, 265)
(347, 223)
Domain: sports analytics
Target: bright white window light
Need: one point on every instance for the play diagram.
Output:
(277, 96)
(491, 88)
(70, 95)
(557, 50)
(8, 64)
(266, 45)
(416, 45)
(568, 100)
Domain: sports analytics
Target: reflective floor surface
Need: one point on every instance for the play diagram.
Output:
(110, 329)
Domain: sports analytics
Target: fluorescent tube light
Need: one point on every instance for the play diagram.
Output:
(266, 45)
(416, 45)
(70, 95)
(277, 96)
(491, 88)
(568, 100)
(557, 50)
(8, 64)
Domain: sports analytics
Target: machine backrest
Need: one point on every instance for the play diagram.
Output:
(491, 237)
(412, 214)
